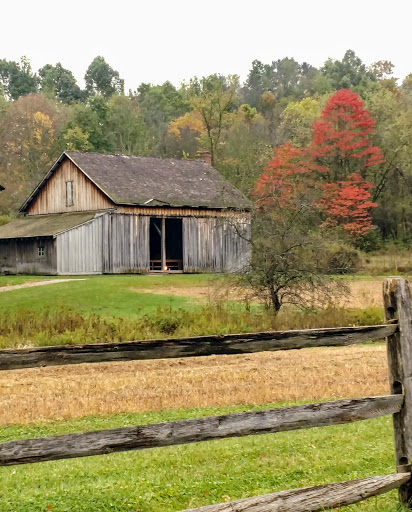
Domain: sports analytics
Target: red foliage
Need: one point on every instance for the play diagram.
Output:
(348, 203)
(343, 131)
(324, 170)
(284, 177)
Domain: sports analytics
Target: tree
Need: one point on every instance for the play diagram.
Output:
(246, 147)
(333, 167)
(17, 78)
(29, 132)
(348, 73)
(58, 82)
(212, 97)
(257, 83)
(159, 105)
(341, 138)
(102, 79)
(297, 120)
(126, 123)
(185, 134)
(289, 263)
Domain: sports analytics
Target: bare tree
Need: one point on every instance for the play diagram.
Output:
(289, 259)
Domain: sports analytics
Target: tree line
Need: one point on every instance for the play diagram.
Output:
(46, 112)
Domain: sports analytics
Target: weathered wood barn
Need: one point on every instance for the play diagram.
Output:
(95, 213)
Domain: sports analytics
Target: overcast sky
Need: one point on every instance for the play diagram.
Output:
(155, 41)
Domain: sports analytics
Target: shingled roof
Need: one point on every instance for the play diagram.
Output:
(140, 180)
(43, 225)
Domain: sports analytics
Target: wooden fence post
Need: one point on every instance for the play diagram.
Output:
(397, 304)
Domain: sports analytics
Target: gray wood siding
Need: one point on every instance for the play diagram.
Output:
(214, 245)
(20, 256)
(111, 243)
(80, 250)
(126, 243)
(119, 243)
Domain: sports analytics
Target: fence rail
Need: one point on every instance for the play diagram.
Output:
(313, 499)
(199, 429)
(193, 347)
(397, 330)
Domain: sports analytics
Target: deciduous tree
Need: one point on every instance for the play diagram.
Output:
(332, 168)
(212, 97)
(102, 79)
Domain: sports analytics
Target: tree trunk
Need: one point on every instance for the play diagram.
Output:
(276, 303)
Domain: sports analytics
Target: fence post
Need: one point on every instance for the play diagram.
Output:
(397, 305)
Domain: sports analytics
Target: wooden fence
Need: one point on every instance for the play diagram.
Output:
(398, 332)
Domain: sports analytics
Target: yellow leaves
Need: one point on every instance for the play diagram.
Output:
(189, 121)
(42, 127)
(76, 139)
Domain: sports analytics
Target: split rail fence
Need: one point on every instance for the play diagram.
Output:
(398, 332)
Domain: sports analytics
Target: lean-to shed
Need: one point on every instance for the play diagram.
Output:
(95, 213)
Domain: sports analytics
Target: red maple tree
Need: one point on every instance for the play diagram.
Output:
(340, 139)
(331, 171)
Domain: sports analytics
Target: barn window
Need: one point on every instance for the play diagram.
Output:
(69, 193)
(41, 251)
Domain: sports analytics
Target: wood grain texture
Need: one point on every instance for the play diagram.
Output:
(313, 499)
(11, 359)
(52, 196)
(397, 305)
(196, 430)
(213, 244)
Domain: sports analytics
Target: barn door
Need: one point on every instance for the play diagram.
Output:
(166, 244)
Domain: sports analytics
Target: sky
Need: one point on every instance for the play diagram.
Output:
(154, 41)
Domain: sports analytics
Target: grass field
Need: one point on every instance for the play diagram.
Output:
(121, 308)
(175, 478)
(99, 396)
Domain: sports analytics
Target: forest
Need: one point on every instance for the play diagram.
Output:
(344, 130)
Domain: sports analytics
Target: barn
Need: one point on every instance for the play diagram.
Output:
(97, 213)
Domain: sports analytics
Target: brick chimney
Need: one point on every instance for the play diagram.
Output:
(205, 156)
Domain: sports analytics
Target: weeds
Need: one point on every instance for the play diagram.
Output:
(27, 327)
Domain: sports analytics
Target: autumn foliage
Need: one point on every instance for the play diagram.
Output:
(330, 173)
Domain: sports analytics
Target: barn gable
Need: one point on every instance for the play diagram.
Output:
(51, 195)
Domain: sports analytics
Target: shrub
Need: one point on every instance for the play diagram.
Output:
(343, 259)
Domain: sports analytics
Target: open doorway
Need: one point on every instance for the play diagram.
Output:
(166, 244)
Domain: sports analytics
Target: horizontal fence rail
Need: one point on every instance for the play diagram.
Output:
(313, 499)
(196, 430)
(191, 347)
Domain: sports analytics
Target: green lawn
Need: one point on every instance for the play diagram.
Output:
(175, 478)
(102, 295)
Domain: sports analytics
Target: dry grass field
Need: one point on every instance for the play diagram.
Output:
(75, 391)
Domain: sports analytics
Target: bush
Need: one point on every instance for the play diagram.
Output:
(343, 259)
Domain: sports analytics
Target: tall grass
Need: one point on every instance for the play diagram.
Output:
(27, 327)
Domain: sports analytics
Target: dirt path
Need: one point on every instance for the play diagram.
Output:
(37, 283)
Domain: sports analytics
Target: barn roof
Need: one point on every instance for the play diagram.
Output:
(44, 225)
(141, 180)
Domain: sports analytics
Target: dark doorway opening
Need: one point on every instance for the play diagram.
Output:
(166, 244)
